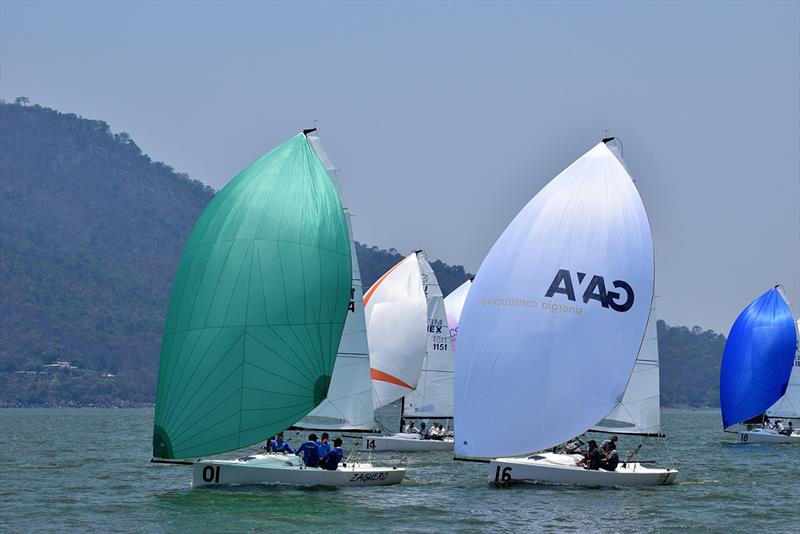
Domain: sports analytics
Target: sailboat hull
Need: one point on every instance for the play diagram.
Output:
(405, 443)
(549, 468)
(279, 469)
(766, 436)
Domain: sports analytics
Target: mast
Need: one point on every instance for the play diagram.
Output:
(348, 406)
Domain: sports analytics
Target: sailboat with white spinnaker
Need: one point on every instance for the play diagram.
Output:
(410, 352)
(554, 320)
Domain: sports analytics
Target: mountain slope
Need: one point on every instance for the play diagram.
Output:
(90, 234)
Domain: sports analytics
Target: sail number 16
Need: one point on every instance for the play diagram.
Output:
(505, 476)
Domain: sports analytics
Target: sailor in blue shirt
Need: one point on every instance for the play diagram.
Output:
(331, 460)
(267, 446)
(324, 446)
(281, 446)
(310, 451)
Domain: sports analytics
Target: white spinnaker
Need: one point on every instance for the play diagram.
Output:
(396, 314)
(349, 401)
(640, 409)
(434, 394)
(789, 405)
(534, 370)
(454, 303)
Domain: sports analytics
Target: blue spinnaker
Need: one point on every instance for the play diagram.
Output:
(758, 358)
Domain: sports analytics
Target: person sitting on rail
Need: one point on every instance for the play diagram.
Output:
(425, 433)
(437, 432)
(610, 459)
(331, 460)
(267, 446)
(279, 445)
(310, 451)
(591, 460)
(604, 445)
(410, 428)
(324, 446)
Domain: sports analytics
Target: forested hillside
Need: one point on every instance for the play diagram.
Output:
(91, 231)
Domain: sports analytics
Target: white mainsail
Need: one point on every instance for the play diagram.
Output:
(556, 314)
(454, 303)
(788, 406)
(396, 315)
(433, 396)
(640, 409)
(348, 405)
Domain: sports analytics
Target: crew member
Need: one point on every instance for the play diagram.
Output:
(281, 446)
(310, 451)
(605, 444)
(331, 460)
(324, 446)
(591, 459)
(610, 459)
(267, 446)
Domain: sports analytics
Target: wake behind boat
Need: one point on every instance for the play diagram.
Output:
(255, 322)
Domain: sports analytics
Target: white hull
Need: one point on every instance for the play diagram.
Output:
(279, 469)
(766, 436)
(552, 468)
(405, 443)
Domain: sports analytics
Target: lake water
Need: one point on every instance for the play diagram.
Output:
(83, 470)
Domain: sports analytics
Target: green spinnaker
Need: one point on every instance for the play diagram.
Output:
(257, 308)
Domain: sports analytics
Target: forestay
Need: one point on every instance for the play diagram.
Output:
(396, 314)
(257, 308)
(453, 304)
(788, 406)
(348, 405)
(555, 317)
(758, 358)
(433, 396)
(640, 409)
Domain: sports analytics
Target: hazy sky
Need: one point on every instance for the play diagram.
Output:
(447, 118)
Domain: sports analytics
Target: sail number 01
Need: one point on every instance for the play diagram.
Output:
(505, 476)
(211, 474)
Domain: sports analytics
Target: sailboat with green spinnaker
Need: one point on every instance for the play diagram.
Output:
(256, 315)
